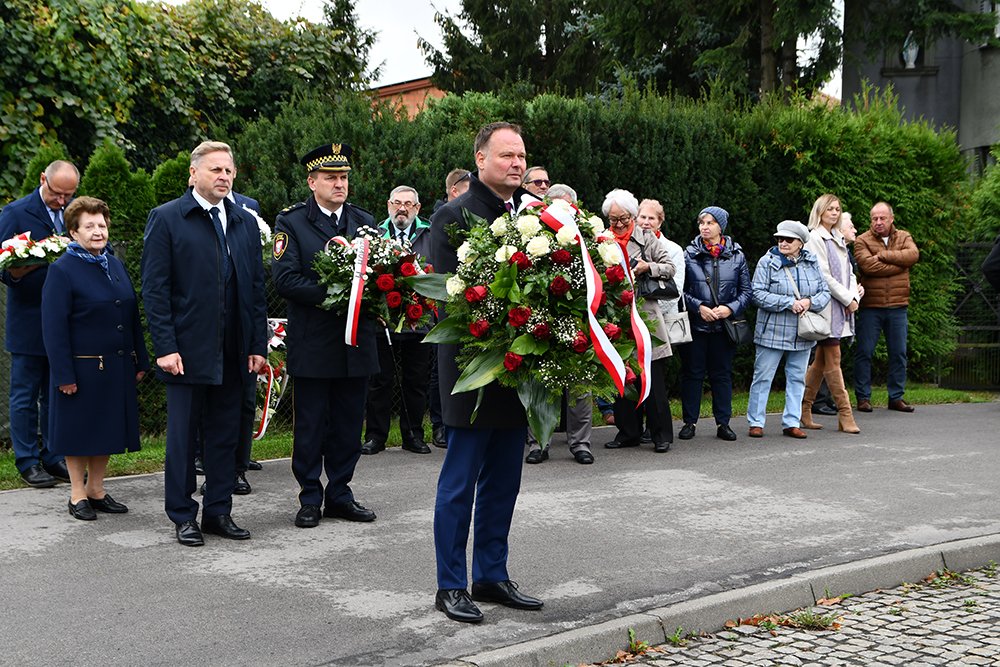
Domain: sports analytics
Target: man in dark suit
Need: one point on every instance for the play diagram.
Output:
(330, 377)
(483, 460)
(404, 349)
(203, 290)
(41, 214)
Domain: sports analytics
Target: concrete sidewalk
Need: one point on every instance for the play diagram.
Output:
(635, 533)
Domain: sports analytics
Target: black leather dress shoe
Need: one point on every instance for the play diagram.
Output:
(308, 516)
(372, 447)
(646, 438)
(108, 505)
(439, 439)
(725, 433)
(189, 534)
(687, 432)
(352, 511)
(199, 466)
(661, 447)
(417, 446)
(457, 605)
(583, 456)
(254, 465)
(537, 455)
(242, 486)
(223, 526)
(618, 444)
(57, 470)
(82, 510)
(37, 477)
(823, 409)
(505, 593)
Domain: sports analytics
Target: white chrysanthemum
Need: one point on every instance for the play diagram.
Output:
(596, 224)
(37, 251)
(529, 226)
(465, 253)
(454, 285)
(538, 246)
(610, 252)
(499, 227)
(566, 236)
(504, 253)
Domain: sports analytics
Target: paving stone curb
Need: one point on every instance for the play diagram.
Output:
(709, 614)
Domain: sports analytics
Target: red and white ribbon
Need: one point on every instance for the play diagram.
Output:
(606, 352)
(361, 252)
(643, 343)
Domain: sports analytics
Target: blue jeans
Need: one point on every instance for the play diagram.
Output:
(764, 367)
(871, 322)
(711, 354)
(29, 410)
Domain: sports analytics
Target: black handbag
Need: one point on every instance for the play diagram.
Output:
(648, 287)
(738, 330)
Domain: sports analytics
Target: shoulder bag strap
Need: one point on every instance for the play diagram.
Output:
(708, 279)
(795, 286)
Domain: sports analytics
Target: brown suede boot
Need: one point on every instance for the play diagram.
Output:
(814, 378)
(835, 381)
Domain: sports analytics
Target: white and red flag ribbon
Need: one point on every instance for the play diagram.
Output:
(361, 252)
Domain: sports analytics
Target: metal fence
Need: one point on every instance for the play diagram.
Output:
(975, 364)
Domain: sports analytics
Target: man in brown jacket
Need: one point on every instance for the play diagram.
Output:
(884, 255)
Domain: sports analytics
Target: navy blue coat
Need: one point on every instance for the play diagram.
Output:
(732, 284)
(315, 337)
(92, 334)
(183, 290)
(24, 296)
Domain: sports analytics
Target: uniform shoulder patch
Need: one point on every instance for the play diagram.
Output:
(293, 207)
(280, 243)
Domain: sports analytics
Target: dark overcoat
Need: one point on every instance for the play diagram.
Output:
(315, 337)
(183, 289)
(24, 296)
(93, 338)
(500, 407)
(729, 273)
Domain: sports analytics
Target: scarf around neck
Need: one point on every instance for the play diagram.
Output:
(77, 250)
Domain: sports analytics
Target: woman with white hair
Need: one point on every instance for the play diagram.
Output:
(646, 256)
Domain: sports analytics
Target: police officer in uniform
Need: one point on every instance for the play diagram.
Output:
(329, 376)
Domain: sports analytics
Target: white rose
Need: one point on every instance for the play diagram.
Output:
(596, 225)
(566, 236)
(504, 253)
(499, 227)
(465, 253)
(529, 226)
(538, 246)
(610, 252)
(454, 285)
(37, 251)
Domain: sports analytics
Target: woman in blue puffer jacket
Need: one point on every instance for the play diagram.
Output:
(716, 257)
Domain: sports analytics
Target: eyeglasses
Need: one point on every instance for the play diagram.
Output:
(539, 182)
(395, 203)
(786, 239)
(620, 221)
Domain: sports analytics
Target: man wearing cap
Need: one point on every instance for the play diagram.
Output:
(203, 291)
(40, 213)
(330, 377)
(483, 460)
(404, 349)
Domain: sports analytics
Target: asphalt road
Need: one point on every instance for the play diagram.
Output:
(635, 530)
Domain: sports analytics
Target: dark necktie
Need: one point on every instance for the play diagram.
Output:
(57, 220)
(227, 265)
(510, 207)
(402, 236)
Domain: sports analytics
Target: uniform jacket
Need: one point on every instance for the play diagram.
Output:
(644, 243)
(774, 294)
(842, 294)
(315, 339)
(729, 273)
(885, 270)
(183, 290)
(24, 296)
(500, 407)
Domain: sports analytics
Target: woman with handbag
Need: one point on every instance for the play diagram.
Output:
(650, 262)
(716, 292)
(828, 244)
(789, 292)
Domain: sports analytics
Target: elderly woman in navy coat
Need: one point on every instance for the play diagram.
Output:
(93, 338)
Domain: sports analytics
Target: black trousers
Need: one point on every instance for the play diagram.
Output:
(656, 410)
(414, 359)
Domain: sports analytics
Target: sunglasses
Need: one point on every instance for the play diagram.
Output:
(785, 239)
(539, 182)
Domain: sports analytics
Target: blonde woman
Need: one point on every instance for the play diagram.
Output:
(828, 245)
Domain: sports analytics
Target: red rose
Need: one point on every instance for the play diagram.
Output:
(604, 298)
(581, 342)
(612, 331)
(629, 333)
(630, 376)
(385, 282)
(393, 299)
(559, 286)
(518, 316)
(512, 361)
(521, 260)
(561, 256)
(626, 297)
(541, 331)
(615, 274)
(479, 328)
(475, 294)
(429, 268)
(414, 311)
(408, 269)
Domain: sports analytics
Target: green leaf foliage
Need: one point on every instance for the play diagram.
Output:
(46, 155)
(481, 371)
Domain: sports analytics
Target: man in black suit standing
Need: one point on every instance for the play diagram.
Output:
(203, 290)
(483, 460)
(330, 377)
